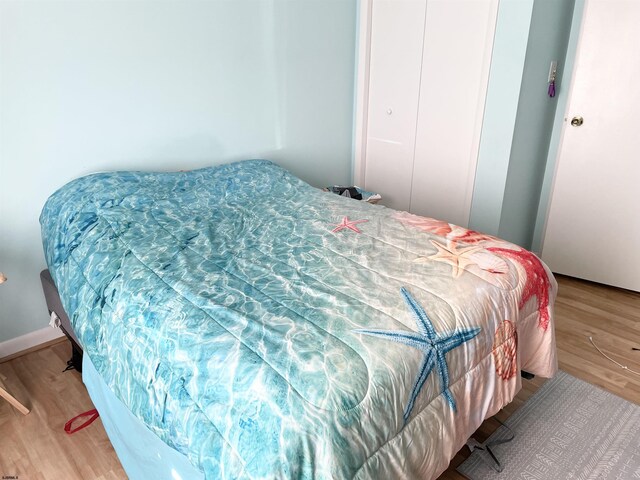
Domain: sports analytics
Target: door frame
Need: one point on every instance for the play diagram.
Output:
(363, 59)
(559, 126)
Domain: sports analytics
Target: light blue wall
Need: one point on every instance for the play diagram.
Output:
(548, 37)
(163, 85)
(501, 106)
(558, 125)
(519, 116)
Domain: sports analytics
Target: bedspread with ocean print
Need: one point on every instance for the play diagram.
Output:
(267, 329)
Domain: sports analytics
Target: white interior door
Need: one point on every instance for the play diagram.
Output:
(593, 227)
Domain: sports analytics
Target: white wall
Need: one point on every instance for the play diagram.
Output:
(88, 86)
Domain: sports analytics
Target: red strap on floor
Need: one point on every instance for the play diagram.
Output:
(93, 414)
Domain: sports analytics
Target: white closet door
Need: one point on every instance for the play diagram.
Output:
(397, 31)
(428, 76)
(458, 43)
(593, 228)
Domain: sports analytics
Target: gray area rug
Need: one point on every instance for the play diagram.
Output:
(568, 429)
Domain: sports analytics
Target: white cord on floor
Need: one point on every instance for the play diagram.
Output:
(624, 367)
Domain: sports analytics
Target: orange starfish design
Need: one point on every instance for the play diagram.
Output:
(459, 258)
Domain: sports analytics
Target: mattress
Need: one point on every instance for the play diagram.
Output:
(267, 329)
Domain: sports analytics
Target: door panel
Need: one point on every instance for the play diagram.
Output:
(593, 227)
(455, 72)
(397, 30)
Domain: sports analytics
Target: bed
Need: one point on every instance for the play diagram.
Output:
(257, 327)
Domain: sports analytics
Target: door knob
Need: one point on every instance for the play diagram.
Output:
(577, 121)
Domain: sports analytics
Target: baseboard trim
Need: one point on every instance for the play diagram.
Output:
(31, 341)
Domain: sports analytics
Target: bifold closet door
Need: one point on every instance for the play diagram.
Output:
(397, 32)
(458, 42)
(428, 76)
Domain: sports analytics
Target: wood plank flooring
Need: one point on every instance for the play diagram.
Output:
(36, 447)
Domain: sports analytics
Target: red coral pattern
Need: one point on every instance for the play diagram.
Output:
(537, 282)
(505, 346)
(471, 236)
(444, 229)
(426, 224)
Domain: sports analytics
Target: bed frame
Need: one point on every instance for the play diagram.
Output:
(54, 305)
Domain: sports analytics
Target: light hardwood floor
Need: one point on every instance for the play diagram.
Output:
(36, 447)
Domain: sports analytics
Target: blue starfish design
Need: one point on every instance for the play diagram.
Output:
(434, 346)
